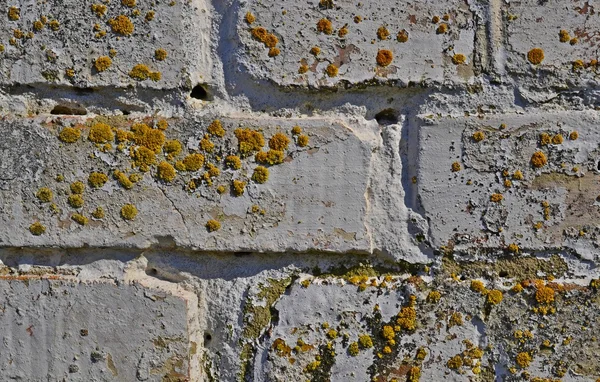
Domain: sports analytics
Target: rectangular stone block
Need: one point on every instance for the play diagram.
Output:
(480, 189)
(93, 43)
(61, 330)
(329, 43)
(329, 187)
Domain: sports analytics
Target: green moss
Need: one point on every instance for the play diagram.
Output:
(258, 317)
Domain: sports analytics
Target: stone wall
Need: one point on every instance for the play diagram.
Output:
(326, 190)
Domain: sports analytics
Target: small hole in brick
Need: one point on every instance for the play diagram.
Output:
(207, 338)
(503, 274)
(68, 110)
(152, 271)
(387, 117)
(198, 92)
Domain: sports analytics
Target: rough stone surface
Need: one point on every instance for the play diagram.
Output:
(261, 212)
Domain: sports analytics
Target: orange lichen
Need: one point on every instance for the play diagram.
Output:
(574, 135)
(160, 54)
(577, 65)
(563, 36)
(324, 26)
(315, 50)
(271, 157)
(239, 187)
(212, 225)
(303, 69)
(102, 63)
(99, 9)
(128, 3)
(193, 162)
(165, 172)
(274, 52)
(343, 31)
(142, 72)
(477, 286)
(331, 70)
(260, 175)
(538, 159)
(455, 167)
(518, 175)
(97, 179)
(38, 25)
(69, 134)
(574, 41)
(249, 18)
(459, 59)
(513, 248)
(150, 15)
(383, 33)
(129, 212)
(545, 139)
(402, 36)
(455, 362)
(544, 295)
(535, 56)
(279, 141)
(122, 25)
(557, 139)
(384, 57)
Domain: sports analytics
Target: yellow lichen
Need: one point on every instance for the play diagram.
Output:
(315, 50)
(80, 219)
(384, 57)
(143, 158)
(38, 25)
(494, 297)
(249, 18)
(324, 26)
(102, 63)
(279, 141)
(478, 136)
(383, 33)
(129, 3)
(513, 248)
(443, 28)
(193, 162)
(434, 296)
(77, 187)
(459, 59)
(274, 52)
(165, 171)
(212, 225)
(150, 15)
(97, 179)
(172, 148)
(343, 31)
(99, 9)
(216, 129)
(233, 161)
(406, 318)
(577, 64)
(140, 72)
(535, 56)
(518, 175)
(206, 144)
(101, 133)
(455, 362)
(523, 359)
(122, 25)
(221, 189)
(303, 69)
(402, 36)
(239, 187)
(365, 341)
(129, 212)
(388, 333)
(123, 180)
(538, 159)
(152, 139)
(69, 134)
(37, 228)
(249, 140)
(455, 167)
(160, 54)
(574, 135)
(303, 140)
(296, 130)
(14, 13)
(162, 124)
(564, 36)
(75, 201)
(271, 157)
(477, 286)
(496, 198)
(98, 213)
(353, 349)
(456, 319)
(44, 195)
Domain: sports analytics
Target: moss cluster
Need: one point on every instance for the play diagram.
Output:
(129, 212)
